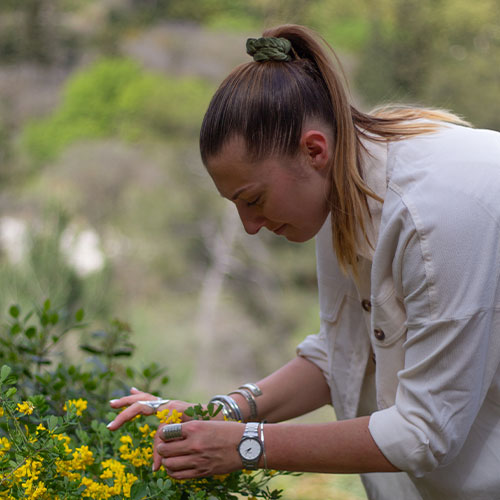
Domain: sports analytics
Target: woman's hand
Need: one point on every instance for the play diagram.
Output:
(206, 448)
(136, 408)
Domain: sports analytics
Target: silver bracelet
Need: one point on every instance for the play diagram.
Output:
(250, 400)
(230, 404)
(263, 446)
(253, 388)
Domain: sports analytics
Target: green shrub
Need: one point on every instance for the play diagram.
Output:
(54, 443)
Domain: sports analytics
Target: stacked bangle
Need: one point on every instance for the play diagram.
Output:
(253, 388)
(230, 408)
(250, 400)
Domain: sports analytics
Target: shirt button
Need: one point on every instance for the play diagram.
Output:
(366, 305)
(379, 334)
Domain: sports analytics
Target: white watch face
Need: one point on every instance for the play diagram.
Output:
(250, 449)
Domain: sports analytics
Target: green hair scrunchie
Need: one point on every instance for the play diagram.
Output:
(269, 49)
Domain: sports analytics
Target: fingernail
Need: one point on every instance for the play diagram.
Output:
(154, 470)
(113, 400)
(134, 389)
(110, 424)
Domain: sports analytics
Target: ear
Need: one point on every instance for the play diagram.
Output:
(315, 145)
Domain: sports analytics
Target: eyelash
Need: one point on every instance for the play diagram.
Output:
(254, 202)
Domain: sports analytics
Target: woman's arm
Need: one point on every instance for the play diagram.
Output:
(209, 448)
(297, 388)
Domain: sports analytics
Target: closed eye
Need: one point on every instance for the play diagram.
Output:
(254, 202)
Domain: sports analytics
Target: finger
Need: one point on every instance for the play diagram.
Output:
(185, 474)
(182, 468)
(130, 400)
(173, 448)
(170, 448)
(128, 414)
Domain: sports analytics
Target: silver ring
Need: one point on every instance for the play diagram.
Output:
(154, 404)
(171, 431)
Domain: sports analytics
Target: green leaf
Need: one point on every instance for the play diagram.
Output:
(10, 392)
(5, 372)
(28, 316)
(189, 411)
(82, 436)
(79, 315)
(122, 352)
(46, 305)
(44, 320)
(91, 349)
(14, 311)
(139, 491)
(54, 318)
(30, 332)
(15, 328)
(52, 422)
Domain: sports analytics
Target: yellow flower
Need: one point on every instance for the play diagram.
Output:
(167, 417)
(126, 439)
(145, 430)
(25, 407)
(4, 445)
(1, 411)
(79, 404)
(82, 457)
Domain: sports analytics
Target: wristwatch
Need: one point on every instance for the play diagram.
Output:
(250, 447)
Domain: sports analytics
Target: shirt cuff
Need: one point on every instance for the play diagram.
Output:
(313, 348)
(402, 443)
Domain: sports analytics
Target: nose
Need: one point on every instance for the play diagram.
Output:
(251, 221)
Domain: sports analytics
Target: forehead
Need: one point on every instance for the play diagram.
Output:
(231, 170)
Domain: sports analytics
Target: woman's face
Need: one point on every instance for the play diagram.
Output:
(286, 196)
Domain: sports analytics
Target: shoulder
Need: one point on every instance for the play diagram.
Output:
(454, 172)
(454, 152)
(441, 219)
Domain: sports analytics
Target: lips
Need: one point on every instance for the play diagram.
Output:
(280, 229)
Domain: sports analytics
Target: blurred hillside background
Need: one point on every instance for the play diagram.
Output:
(104, 201)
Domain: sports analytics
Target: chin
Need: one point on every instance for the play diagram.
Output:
(302, 235)
(301, 238)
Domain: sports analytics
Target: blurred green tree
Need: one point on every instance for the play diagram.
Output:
(443, 53)
(117, 98)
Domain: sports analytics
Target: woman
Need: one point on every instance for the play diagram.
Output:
(404, 207)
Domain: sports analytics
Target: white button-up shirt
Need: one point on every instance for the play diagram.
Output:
(421, 327)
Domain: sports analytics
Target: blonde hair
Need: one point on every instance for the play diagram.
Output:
(268, 103)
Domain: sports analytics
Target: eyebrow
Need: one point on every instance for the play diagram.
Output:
(238, 192)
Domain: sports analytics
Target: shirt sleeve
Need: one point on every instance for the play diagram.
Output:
(314, 348)
(449, 284)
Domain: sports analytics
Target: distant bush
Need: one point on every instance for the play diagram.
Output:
(117, 98)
